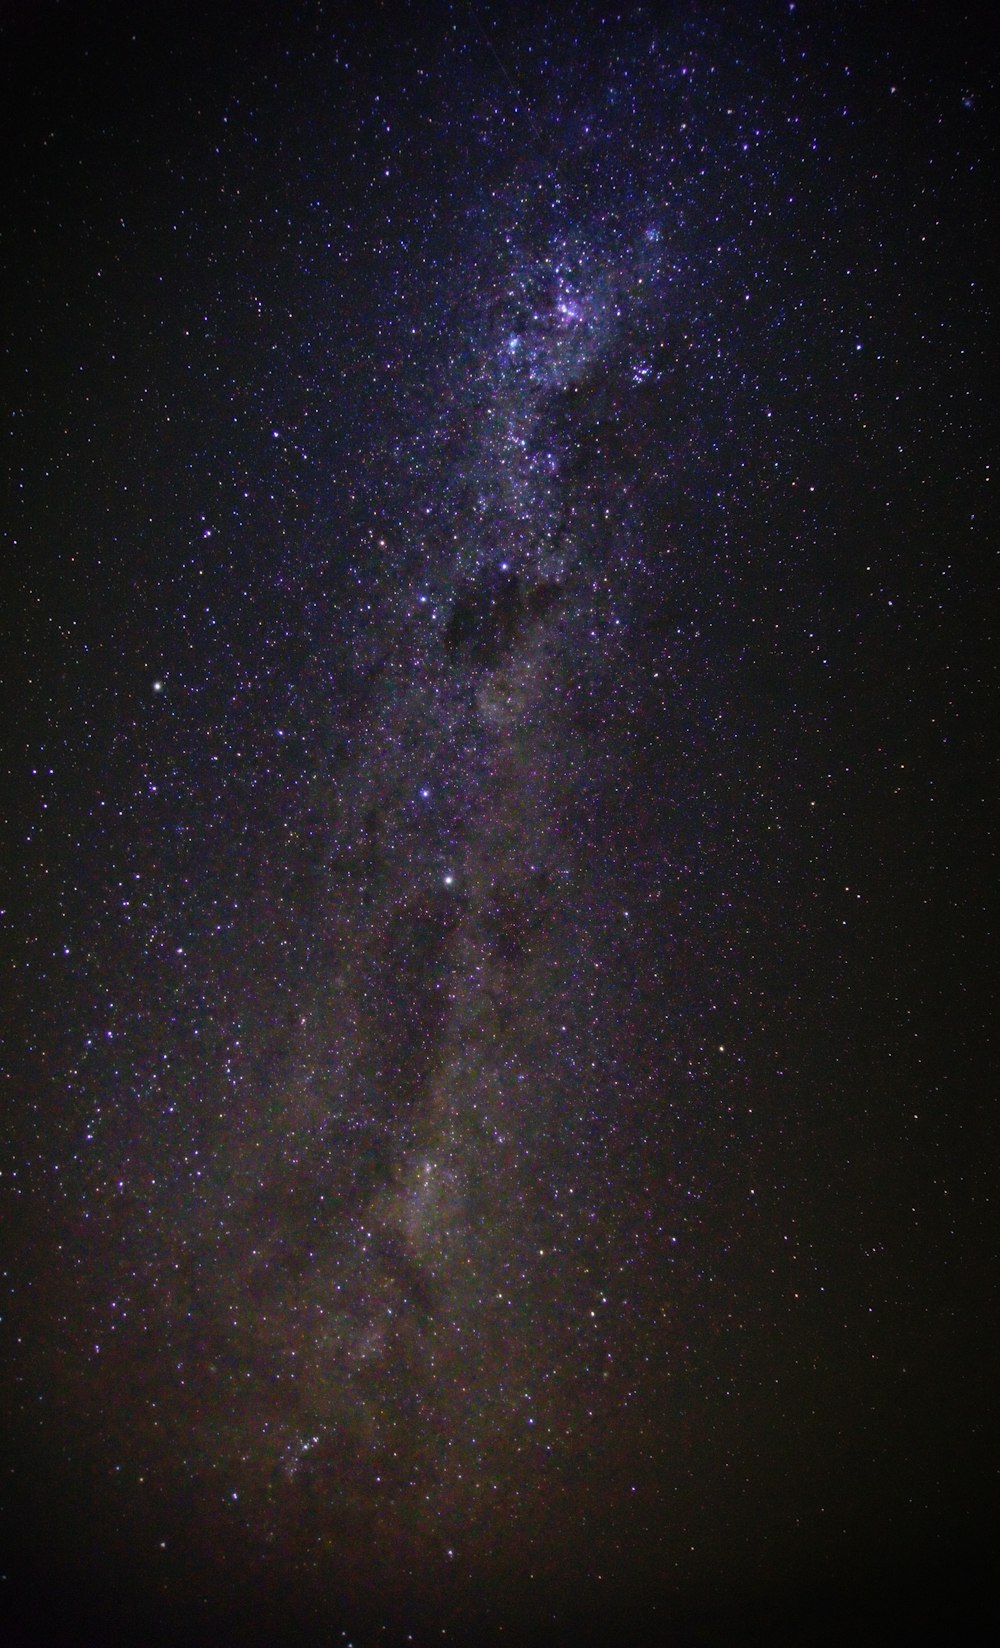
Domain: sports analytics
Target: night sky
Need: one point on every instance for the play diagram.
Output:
(499, 631)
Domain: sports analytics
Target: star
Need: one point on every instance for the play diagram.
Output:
(465, 1179)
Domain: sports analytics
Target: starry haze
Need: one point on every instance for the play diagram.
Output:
(497, 1111)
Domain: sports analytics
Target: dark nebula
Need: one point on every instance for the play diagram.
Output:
(498, 1129)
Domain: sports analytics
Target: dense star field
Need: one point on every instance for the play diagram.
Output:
(497, 1124)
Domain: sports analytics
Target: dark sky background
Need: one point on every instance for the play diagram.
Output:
(499, 647)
